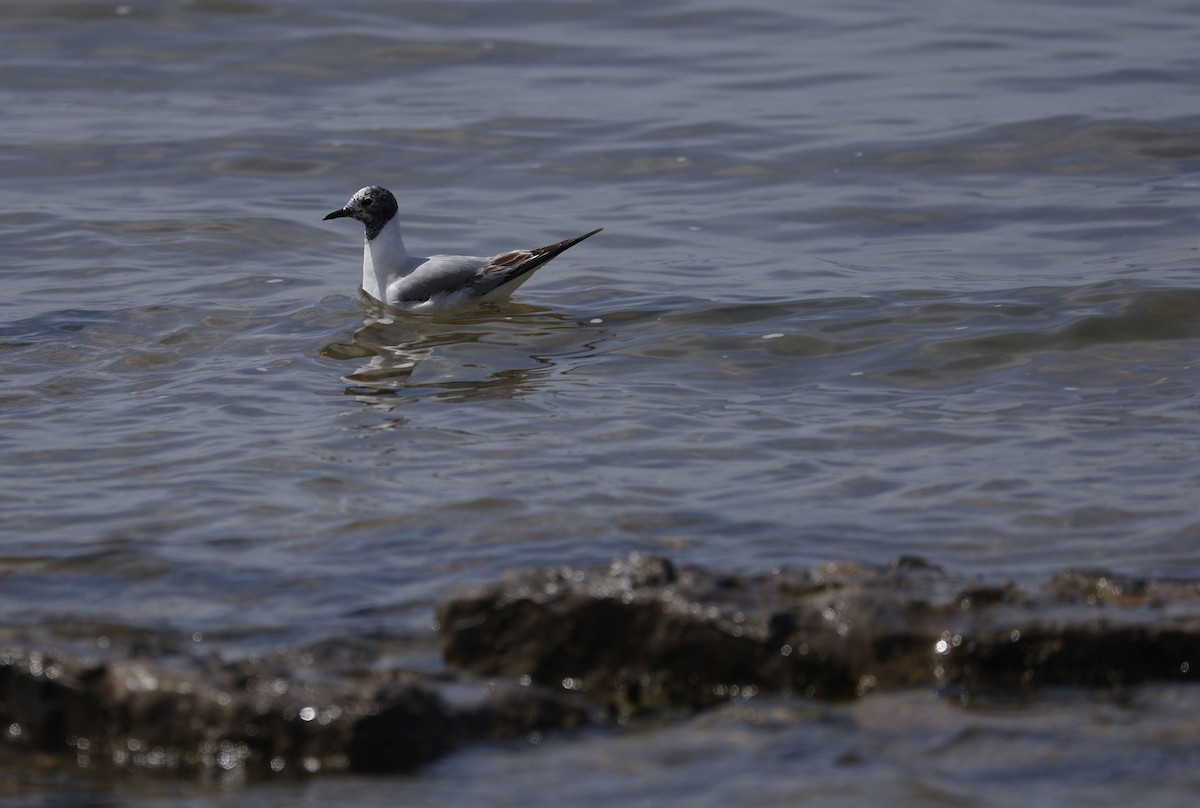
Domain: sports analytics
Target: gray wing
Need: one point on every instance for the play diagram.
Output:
(472, 278)
(437, 275)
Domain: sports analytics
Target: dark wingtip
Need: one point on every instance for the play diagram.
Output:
(554, 249)
(544, 254)
(571, 242)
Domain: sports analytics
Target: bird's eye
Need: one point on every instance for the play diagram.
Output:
(367, 201)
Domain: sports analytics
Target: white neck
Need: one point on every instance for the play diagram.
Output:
(384, 260)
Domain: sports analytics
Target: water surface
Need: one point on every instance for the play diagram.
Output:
(874, 281)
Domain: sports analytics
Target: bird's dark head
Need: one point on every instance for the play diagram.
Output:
(373, 206)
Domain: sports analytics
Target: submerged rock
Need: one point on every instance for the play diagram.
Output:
(566, 646)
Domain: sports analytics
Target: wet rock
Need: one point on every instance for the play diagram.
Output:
(255, 716)
(641, 634)
(565, 646)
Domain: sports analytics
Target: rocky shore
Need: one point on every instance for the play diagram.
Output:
(554, 649)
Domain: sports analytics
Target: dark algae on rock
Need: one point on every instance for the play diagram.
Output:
(557, 648)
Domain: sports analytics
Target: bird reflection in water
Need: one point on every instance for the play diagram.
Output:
(487, 351)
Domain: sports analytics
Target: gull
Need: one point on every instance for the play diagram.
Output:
(392, 276)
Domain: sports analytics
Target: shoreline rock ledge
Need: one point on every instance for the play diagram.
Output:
(553, 649)
(646, 635)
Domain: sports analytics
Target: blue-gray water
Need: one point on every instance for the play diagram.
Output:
(875, 279)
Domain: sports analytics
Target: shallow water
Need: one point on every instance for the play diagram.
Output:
(873, 281)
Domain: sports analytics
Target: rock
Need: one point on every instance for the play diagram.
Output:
(255, 716)
(566, 646)
(641, 634)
